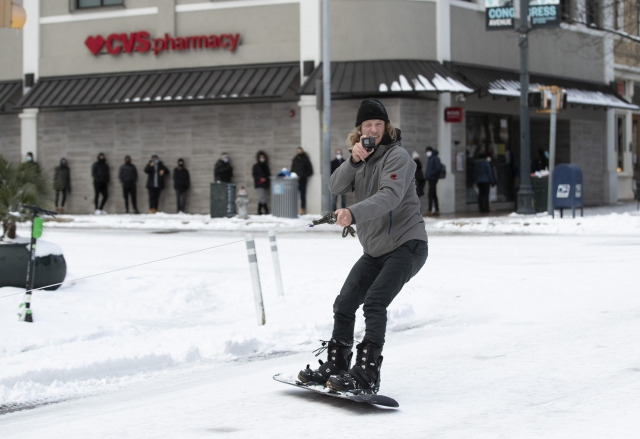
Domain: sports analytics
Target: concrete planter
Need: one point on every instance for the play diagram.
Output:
(51, 267)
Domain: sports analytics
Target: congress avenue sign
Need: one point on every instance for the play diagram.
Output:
(142, 42)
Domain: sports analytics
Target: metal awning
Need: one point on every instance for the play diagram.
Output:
(506, 83)
(359, 78)
(10, 92)
(169, 87)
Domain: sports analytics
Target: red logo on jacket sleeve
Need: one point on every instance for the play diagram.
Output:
(393, 176)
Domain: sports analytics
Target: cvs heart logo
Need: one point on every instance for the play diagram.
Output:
(94, 44)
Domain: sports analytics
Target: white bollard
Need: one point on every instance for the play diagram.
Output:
(276, 263)
(255, 279)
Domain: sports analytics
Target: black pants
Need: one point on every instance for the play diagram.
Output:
(154, 197)
(483, 196)
(100, 188)
(181, 200)
(64, 197)
(302, 187)
(433, 196)
(129, 190)
(375, 282)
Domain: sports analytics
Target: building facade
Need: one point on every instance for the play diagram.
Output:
(191, 79)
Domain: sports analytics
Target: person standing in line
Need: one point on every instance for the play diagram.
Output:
(223, 171)
(392, 233)
(335, 164)
(181, 183)
(484, 179)
(420, 181)
(261, 180)
(31, 161)
(301, 165)
(101, 177)
(61, 183)
(156, 172)
(432, 174)
(128, 176)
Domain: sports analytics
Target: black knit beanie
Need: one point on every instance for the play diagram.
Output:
(371, 109)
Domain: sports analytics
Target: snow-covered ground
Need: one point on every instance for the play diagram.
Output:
(516, 327)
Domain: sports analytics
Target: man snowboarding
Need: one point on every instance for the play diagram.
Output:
(392, 233)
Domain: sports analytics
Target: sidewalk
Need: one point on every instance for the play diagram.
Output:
(620, 207)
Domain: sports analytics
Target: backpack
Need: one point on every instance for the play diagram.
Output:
(443, 172)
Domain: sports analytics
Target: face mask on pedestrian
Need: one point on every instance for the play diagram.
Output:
(339, 156)
(488, 159)
(429, 153)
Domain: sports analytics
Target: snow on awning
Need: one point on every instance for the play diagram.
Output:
(506, 83)
(358, 78)
(254, 83)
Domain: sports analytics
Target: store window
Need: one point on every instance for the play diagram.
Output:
(85, 4)
(490, 135)
(593, 13)
(565, 11)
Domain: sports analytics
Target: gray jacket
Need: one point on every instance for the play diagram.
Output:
(387, 207)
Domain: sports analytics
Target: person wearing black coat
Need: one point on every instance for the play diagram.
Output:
(432, 174)
(156, 172)
(302, 167)
(181, 183)
(335, 164)
(261, 180)
(223, 171)
(62, 183)
(484, 178)
(420, 181)
(101, 177)
(128, 175)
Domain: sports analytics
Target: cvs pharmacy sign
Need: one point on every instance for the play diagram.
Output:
(142, 42)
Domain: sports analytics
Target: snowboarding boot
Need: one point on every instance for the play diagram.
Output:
(338, 361)
(364, 376)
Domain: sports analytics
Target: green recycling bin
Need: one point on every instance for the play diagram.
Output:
(540, 187)
(223, 196)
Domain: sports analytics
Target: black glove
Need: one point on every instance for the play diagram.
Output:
(330, 218)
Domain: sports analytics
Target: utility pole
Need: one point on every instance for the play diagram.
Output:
(525, 192)
(326, 109)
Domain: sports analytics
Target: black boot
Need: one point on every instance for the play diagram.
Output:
(266, 209)
(259, 208)
(364, 376)
(338, 361)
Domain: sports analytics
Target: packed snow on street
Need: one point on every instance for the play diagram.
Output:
(518, 326)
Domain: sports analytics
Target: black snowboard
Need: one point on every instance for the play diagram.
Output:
(374, 399)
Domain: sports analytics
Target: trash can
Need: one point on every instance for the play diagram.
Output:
(223, 197)
(540, 187)
(284, 196)
(50, 269)
(567, 189)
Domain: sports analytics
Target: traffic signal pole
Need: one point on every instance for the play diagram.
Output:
(525, 191)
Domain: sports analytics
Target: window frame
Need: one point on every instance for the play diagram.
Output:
(77, 7)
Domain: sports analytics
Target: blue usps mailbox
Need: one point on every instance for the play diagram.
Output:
(567, 189)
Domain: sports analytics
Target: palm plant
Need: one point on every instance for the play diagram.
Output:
(19, 184)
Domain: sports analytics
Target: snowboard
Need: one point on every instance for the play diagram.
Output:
(373, 399)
